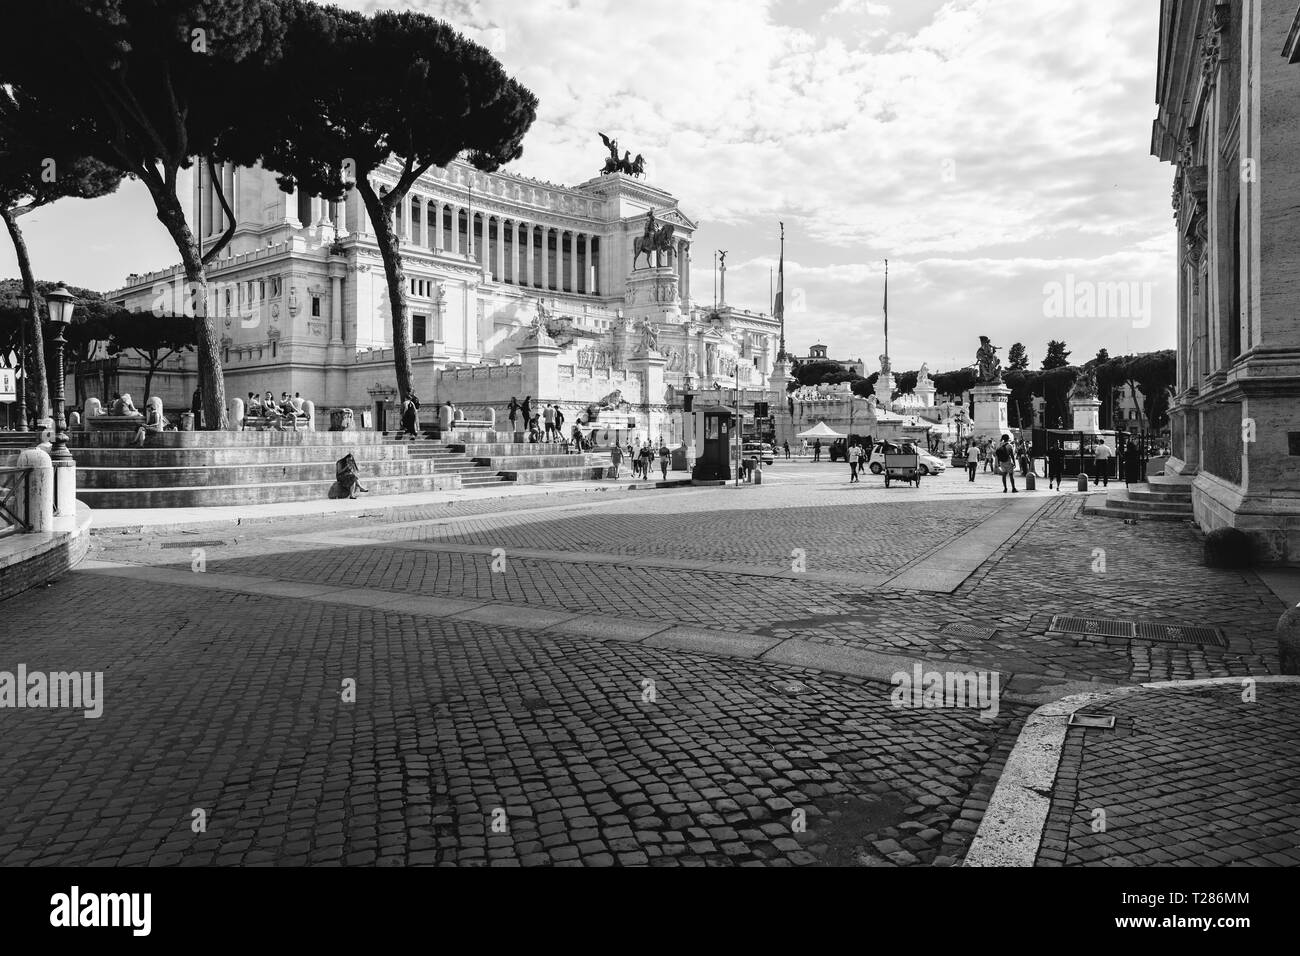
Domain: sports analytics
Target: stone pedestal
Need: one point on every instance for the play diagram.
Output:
(885, 389)
(925, 392)
(652, 294)
(1086, 415)
(341, 419)
(539, 361)
(990, 410)
(650, 366)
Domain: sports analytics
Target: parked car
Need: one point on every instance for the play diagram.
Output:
(761, 449)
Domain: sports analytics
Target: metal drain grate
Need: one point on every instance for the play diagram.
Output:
(192, 544)
(973, 631)
(1101, 721)
(1199, 634)
(1095, 626)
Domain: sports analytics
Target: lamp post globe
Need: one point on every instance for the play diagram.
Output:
(60, 303)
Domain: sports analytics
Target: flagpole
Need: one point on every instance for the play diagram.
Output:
(780, 297)
(886, 308)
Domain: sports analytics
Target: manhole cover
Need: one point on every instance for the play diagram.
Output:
(192, 544)
(1095, 626)
(1092, 720)
(791, 687)
(972, 631)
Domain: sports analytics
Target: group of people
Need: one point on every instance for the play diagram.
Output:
(286, 409)
(642, 458)
(1001, 458)
(1006, 457)
(542, 425)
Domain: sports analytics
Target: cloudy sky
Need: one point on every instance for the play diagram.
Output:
(996, 152)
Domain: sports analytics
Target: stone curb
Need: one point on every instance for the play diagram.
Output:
(327, 509)
(1012, 828)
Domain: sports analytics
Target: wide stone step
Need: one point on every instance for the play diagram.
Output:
(497, 450)
(528, 462)
(1117, 503)
(536, 476)
(1160, 493)
(210, 495)
(19, 439)
(472, 479)
(244, 439)
(1171, 481)
(216, 475)
(199, 457)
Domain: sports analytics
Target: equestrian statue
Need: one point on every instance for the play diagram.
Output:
(655, 239)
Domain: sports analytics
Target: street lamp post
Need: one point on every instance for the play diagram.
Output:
(60, 303)
(24, 305)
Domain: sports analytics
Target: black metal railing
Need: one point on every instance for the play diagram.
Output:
(15, 518)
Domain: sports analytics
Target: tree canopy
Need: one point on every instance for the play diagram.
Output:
(146, 86)
(1058, 356)
(415, 89)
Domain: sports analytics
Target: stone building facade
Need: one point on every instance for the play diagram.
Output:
(1229, 121)
(302, 305)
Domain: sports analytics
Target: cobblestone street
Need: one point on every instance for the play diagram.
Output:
(582, 680)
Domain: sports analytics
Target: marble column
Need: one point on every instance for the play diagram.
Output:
(455, 229)
(573, 262)
(424, 221)
(546, 258)
(336, 308)
(501, 250)
(528, 246)
(436, 208)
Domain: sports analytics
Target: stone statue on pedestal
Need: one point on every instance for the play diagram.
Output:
(1085, 386)
(884, 365)
(987, 363)
(923, 376)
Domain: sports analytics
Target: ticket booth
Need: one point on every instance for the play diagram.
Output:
(714, 437)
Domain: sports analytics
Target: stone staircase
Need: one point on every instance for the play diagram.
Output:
(10, 441)
(197, 469)
(522, 464)
(1161, 498)
(449, 458)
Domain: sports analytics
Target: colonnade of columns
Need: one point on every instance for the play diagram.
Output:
(515, 251)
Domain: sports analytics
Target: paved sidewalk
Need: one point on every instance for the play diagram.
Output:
(1189, 776)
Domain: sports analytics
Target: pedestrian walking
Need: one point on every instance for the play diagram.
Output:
(663, 459)
(817, 450)
(616, 458)
(410, 417)
(987, 454)
(786, 445)
(972, 460)
(1055, 466)
(852, 457)
(1102, 455)
(1006, 463)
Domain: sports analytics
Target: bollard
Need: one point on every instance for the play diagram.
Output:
(1083, 481)
(236, 423)
(65, 494)
(1029, 481)
(36, 499)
